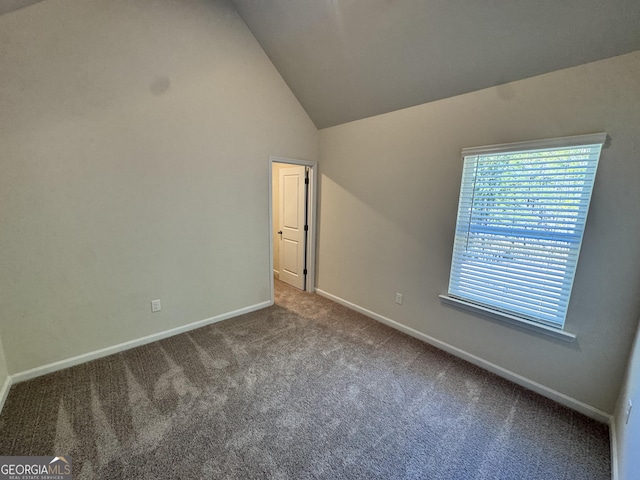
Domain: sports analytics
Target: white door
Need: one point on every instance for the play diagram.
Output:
(292, 203)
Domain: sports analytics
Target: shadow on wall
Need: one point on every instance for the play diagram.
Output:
(397, 182)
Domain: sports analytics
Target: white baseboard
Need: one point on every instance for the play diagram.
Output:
(86, 357)
(613, 440)
(5, 391)
(561, 398)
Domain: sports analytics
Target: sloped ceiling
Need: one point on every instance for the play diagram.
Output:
(351, 59)
(7, 6)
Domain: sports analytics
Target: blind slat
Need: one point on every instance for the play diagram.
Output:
(514, 289)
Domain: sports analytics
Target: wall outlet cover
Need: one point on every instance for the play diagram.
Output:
(156, 306)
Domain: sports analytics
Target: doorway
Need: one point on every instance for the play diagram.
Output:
(292, 222)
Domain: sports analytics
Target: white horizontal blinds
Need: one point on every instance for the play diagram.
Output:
(520, 222)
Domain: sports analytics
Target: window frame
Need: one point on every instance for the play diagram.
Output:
(493, 311)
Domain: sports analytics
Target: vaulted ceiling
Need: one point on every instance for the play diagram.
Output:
(351, 59)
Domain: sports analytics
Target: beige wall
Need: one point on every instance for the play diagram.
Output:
(628, 434)
(135, 141)
(389, 193)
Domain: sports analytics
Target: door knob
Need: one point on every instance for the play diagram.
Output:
(280, 232)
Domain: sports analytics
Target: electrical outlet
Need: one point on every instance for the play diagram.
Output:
(399, 298)
(155, 306)
(628, 412)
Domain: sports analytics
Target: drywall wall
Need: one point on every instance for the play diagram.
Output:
(135, 142)
(389, 189)
(628, 433)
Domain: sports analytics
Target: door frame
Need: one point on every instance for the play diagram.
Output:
(310, 282)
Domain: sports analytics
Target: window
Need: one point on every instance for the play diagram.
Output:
(521, 217)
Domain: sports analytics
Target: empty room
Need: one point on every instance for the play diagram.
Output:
(332, 239)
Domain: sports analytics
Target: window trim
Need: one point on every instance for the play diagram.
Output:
(557, 332)
(572, 141)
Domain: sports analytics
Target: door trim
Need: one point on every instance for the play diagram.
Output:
(310, 283)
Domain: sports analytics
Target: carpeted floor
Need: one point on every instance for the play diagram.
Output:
(303, 389)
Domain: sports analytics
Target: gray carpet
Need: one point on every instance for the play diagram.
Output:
(303, 389)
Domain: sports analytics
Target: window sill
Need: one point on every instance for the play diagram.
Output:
(511, 319)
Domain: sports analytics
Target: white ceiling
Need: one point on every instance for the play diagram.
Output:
(350, 59)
